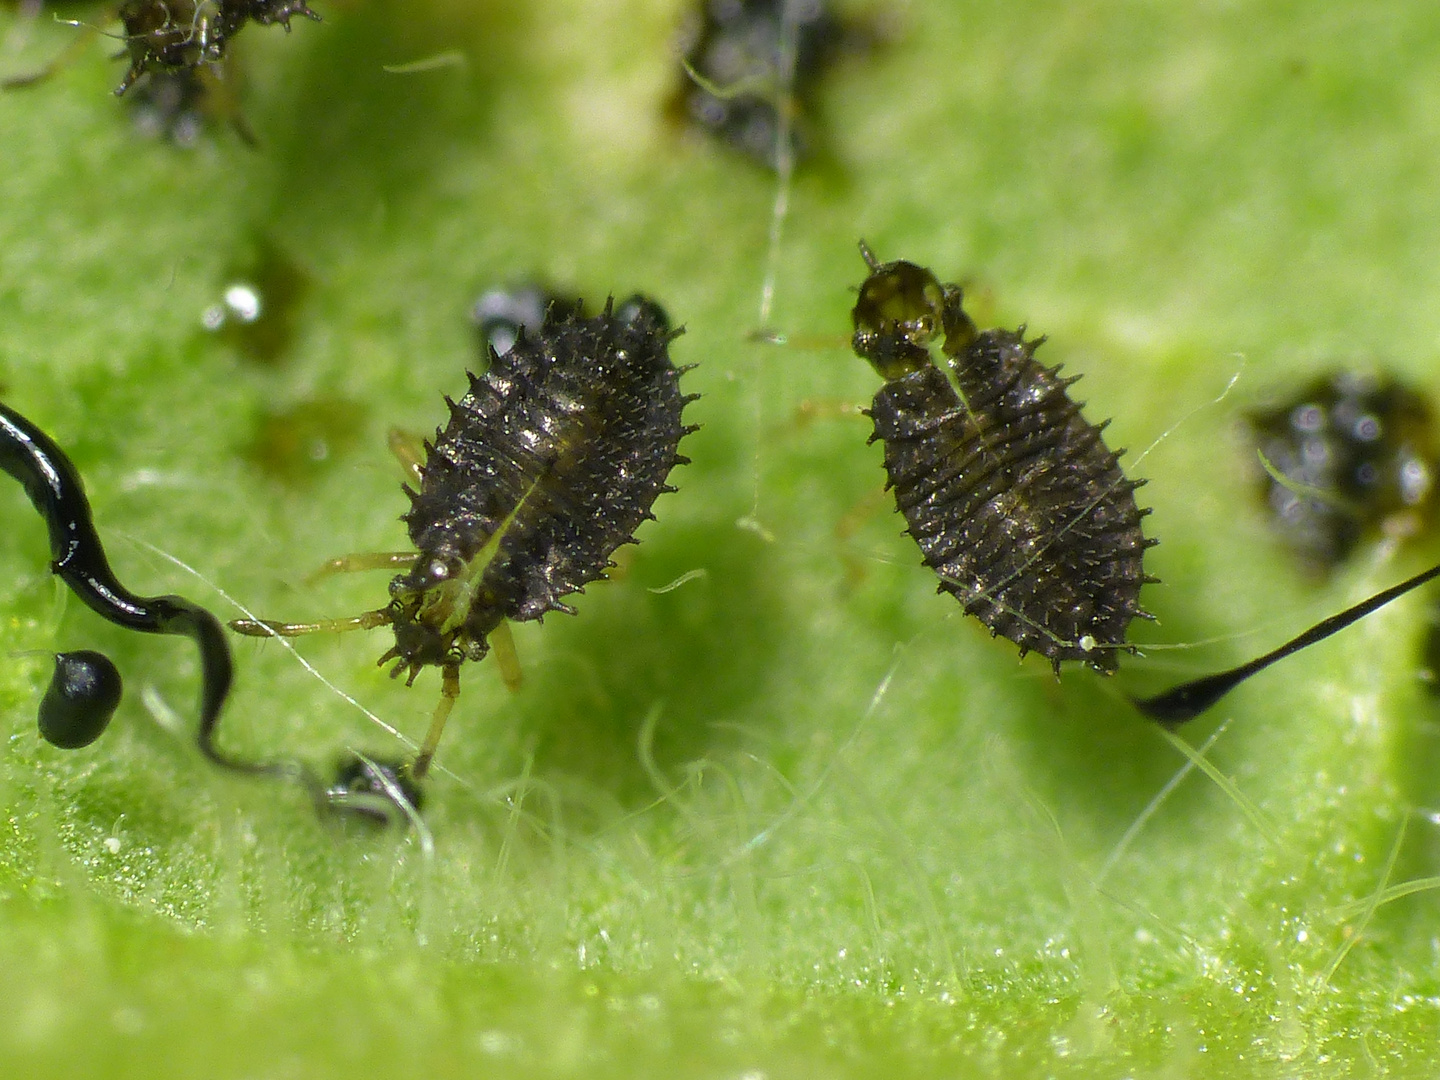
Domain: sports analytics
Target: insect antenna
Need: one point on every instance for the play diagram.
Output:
(1188, 700)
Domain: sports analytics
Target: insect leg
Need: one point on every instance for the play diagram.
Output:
(62, 59)
(266, 628)
(360, 561)
(502, 644)
(449, 691)
(409, 449)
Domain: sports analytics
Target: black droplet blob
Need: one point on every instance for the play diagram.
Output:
(1367, 443)
(367, 789)
(1181, 704)
(83, 695)
(1014, 498)
(78, 557)
(500, 314)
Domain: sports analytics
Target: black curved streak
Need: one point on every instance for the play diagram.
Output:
(1181, 704)
(53, 484)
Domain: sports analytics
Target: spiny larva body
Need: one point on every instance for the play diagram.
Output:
(1014, 498)
(548, 464)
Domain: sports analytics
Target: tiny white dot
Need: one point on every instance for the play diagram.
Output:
(244, 301)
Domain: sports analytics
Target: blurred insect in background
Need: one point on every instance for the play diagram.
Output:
(178, 52)
(1353, 454)
(750, 71)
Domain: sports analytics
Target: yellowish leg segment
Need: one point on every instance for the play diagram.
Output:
(361, 561)
(449, 691)
(266, 628)
(78, 45)
(858, 515)
(502, 644)
(409, 448)
(812, 409)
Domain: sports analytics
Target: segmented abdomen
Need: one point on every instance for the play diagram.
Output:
(556, 453)
(1015, 500)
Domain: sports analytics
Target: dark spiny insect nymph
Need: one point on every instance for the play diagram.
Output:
(1364, 446)
(1012, 495)
(179, 35)
(548, 464)
(1014, 498)
(748, 74)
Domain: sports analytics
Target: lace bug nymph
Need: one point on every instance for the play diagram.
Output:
(1014, 498)
(547, 465)
(738, 50)
(1365, 445)
(179, 35)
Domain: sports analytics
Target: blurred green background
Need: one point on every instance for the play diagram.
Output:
(795, 817)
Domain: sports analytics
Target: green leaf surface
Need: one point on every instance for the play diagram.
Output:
(796, 816)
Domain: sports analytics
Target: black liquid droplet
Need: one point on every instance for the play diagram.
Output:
(83, 695)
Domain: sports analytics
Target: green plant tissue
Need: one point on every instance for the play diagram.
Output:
(795, 816)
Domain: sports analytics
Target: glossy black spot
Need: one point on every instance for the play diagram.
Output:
(368, 789)
(83, 694)
(500, 314)
(78, 558)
